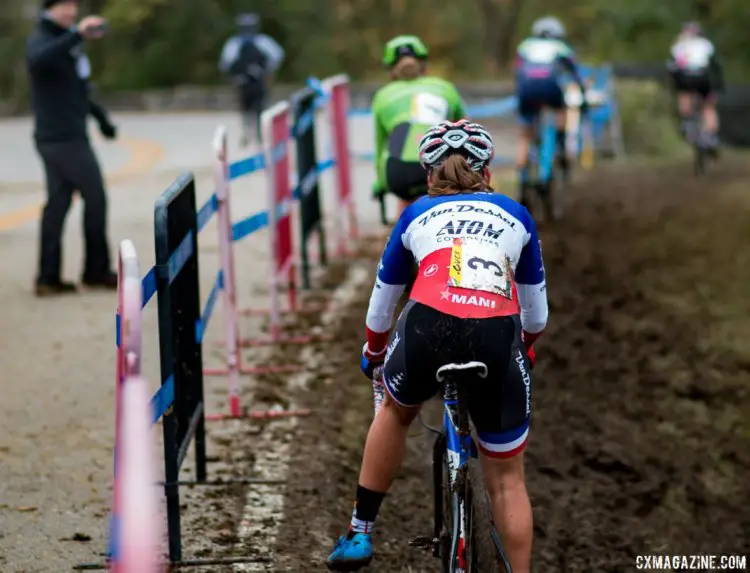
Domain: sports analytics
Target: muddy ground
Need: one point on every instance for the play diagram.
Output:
(641, 422)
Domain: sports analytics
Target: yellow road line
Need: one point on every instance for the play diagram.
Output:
(19, 217)
(144, 156)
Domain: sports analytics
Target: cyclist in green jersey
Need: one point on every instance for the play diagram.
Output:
(403, 110)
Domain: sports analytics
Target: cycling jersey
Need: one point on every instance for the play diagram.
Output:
(695, 67)
(402, 111)
(543, 57)
(480, 282)
(539, 65)
(692, 55)
(478, 256)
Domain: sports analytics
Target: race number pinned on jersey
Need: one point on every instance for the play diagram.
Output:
(476, 267)
(428, 109)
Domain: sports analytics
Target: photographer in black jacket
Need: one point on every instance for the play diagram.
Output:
(59, 72)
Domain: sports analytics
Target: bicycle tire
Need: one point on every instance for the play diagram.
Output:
(485, 557)
(447, 510)
(699, 161)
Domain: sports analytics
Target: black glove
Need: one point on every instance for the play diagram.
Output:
(108, 130)
(378, 191)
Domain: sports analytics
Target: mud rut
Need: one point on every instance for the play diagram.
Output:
(640, 429)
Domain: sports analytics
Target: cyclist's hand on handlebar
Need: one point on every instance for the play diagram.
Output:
(528, 340)
(532, 356)
(584, 106)
(377, 190)
(370, 361)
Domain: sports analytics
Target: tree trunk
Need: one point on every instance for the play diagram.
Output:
(500, 22)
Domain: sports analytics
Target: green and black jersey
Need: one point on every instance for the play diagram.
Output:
(403, 110)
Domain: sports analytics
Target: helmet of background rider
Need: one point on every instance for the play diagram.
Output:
(248, 23)
(693, 29)
(465, 138)
(402, 46)
(548, 27)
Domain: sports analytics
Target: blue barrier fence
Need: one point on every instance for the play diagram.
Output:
(164, 396)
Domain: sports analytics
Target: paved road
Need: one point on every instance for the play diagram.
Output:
(57, 356)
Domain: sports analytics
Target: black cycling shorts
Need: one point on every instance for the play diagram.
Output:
(407, 180)
(252, 96)
(500, 405)
(693, 83)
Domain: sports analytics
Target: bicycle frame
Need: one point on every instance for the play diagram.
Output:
(542, 150)
(456, 443)
(696, 122)
(695, 135)
(548, 145)
(459, 447)
(453, 451)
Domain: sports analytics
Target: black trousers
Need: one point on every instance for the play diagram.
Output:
(72, 166)
(252, 102)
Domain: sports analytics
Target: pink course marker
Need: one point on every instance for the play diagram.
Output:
(140, 522)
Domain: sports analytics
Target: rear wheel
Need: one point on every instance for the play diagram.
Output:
(483, 553)
(446, 531)
(699, 161)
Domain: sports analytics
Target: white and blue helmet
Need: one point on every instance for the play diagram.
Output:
(548, 27)
(469, 140)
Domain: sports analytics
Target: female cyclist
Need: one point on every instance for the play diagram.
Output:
(403, 110)
(696, 71)
(491, 310)
(541, 60)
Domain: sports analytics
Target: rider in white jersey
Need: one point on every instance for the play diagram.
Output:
(695, 69)
(540, 62)
(480, 295)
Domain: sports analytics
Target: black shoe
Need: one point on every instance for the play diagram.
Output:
(54, 288)
(107, 281)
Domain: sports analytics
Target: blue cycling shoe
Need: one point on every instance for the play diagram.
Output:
(351, 552)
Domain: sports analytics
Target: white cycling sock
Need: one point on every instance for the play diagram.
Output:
(361, 526)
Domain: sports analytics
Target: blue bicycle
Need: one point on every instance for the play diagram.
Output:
(464, 538)
(546, 172)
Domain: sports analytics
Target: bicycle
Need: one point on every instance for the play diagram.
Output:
(695, 135)
(464, 536)
(546, 172)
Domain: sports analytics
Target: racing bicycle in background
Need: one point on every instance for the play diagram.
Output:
(696, 135)
(547, 173)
